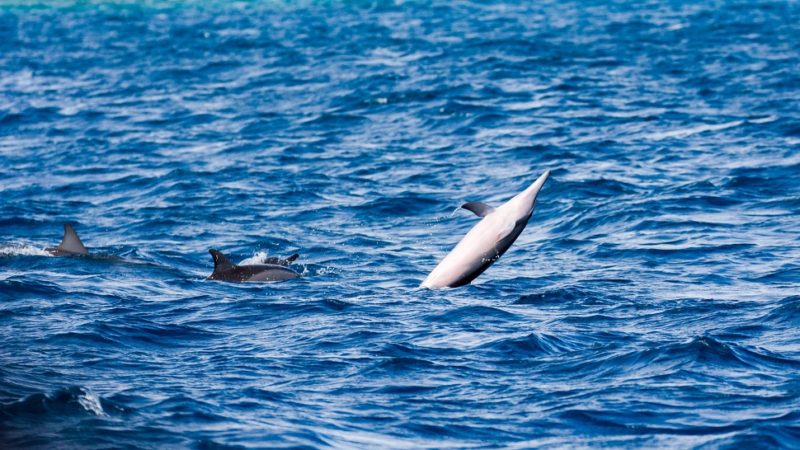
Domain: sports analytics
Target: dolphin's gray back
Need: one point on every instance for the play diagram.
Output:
(261, 272)
(275, 273)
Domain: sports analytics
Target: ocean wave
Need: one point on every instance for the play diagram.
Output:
(686, 132)
(68, 401)
(786, 312)
(531, 345)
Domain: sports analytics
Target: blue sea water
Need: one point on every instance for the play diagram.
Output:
(652, 301)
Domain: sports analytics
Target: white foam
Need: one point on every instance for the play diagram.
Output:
(686, 132)
(766, 119)
(258, 258)
(90, 402)
(324, 270)
(22, 249)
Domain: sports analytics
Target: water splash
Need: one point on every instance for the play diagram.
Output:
(21, 249)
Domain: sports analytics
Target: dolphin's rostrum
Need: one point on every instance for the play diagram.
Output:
(70, 245)
(273, 269)
(488, 240)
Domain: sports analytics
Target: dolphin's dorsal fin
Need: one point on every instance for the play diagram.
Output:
(479, 208)
(71, 242)
(292, 258)
(221, 263)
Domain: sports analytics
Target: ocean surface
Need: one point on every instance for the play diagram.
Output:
(652, 301)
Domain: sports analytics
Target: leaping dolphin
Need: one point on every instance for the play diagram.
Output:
(70, 245)
(274, 269)
(487, 240)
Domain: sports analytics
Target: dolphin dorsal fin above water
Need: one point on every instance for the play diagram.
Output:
(71, 243)
(221, 263)
(292, 258)
(479, 208)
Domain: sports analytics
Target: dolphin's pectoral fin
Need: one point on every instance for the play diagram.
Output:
(479, 208)
(71, 243)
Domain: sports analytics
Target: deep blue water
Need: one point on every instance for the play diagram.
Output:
(653, 300)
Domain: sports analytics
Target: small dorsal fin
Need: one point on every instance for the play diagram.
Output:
(479, 208)
(71, 243)
(281, 261)
(221, 263)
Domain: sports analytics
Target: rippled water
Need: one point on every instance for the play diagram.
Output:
(652, 301)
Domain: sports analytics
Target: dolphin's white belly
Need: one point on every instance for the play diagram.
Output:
(471, 252)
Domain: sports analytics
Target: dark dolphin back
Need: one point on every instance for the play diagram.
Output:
(268, 272)
(261, 272)
(224, 270)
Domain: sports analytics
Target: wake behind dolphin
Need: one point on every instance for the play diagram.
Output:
(486, 242)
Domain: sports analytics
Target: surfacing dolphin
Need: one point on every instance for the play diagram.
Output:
(487, 240)
(70, 245)
(273, 269)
